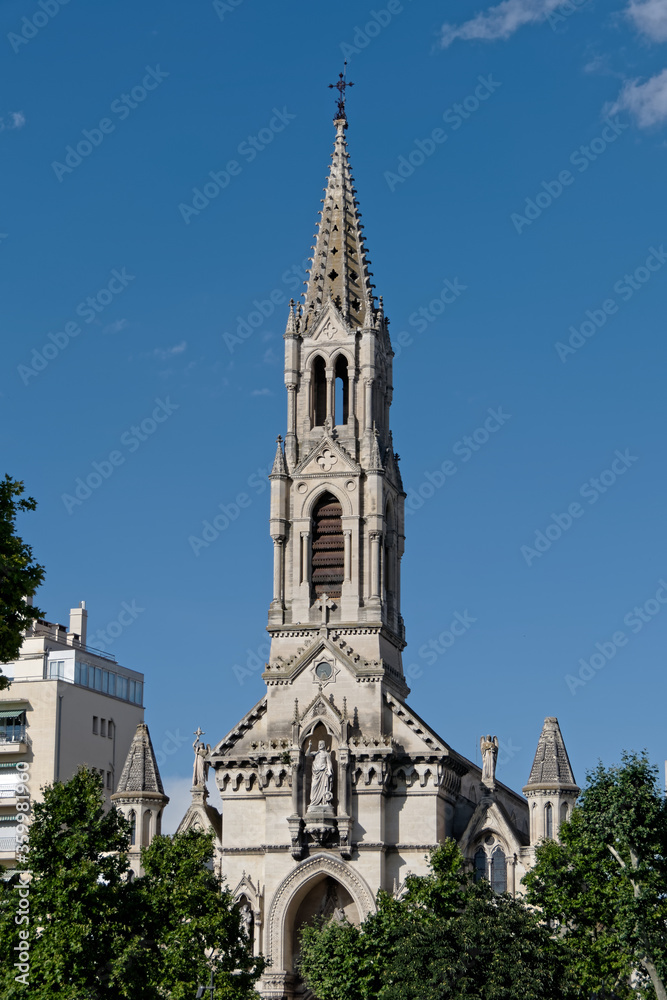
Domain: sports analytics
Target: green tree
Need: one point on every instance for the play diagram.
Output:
(94, 933)
(605, 884)
(19, 575)
(447, 939)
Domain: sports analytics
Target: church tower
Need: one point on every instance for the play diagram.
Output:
(332, 787)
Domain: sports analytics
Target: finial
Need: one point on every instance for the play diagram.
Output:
(340, 87)
(296, 712)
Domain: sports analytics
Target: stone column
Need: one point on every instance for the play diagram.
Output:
(331, 399)
(305, 557)
(368, 418)
(290, 437)
(375, 539)
(278, 568)
(347, 562)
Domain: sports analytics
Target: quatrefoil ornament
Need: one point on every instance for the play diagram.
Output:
(327, 460)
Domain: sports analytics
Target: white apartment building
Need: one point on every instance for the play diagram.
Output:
(68, 704)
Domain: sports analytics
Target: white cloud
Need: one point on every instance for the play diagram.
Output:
(116, 327)
(646, 102)
(169, 352)
(650, 18)
(500, 21)
(261, 392)
(18, 119)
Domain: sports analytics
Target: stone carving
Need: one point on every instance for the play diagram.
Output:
(322, 780)
(201, 765)
(246, 921)
(489, 747)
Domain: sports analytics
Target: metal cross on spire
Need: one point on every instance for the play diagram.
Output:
(340, 87)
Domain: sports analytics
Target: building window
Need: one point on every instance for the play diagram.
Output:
(319, 389)
(109, 780)
(548, 821)
(56, 669)
(12, 726)
(480, 864)
(110, 729)
(133, 827)
(563, 812)
(328, 547)
(95, 727)
(121, 688)
(103, 727)
(498, 870)
(342, 391)
(9, 779)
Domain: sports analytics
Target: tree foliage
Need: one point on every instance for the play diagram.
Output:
(94, 933)
(447, 939)
(19, 575)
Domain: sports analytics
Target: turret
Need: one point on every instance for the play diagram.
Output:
(140, 796)
(551, 790)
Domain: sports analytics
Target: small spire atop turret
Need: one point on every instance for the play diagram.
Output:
(551, 765)
(376, 459)
(279, 464)
(291, 328)
(341, 87)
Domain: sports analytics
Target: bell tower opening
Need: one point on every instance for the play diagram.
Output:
(328, 551)
(319, 384)
(341, 402)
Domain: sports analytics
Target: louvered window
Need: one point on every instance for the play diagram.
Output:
(328, 547)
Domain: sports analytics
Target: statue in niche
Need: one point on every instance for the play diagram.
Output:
(201, 765)
(322, 781)
(489, 747)
(246, 921)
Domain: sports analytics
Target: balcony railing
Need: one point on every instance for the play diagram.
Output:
(8, 844)
(14, 735)
(7, 792)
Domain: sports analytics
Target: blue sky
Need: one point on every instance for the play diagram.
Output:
(517, 153)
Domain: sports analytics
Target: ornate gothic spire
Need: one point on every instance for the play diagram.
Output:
(140, 773)
(339, 268)
(551, 765)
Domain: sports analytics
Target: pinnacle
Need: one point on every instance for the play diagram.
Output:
(551, 764)
(339, 268)
(140, 772)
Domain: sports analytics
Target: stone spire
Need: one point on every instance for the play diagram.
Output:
(551, 766)
(140, 795)
(339, 270)
(551, 789)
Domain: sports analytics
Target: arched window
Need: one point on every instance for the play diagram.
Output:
(342, 390)
(146, 833)
(548, 820)
(133, 827)
(319, 383)
(564, 812)
(480, 864)
(498, 871)
(328, 552)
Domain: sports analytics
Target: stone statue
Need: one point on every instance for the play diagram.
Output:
(322, 780)
(201, 765)
(246, 921)
(489, 747)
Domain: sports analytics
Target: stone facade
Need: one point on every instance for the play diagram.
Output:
(331, 786)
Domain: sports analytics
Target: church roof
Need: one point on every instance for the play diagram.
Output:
(339, 266)
(140, 772)
(551, 765)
